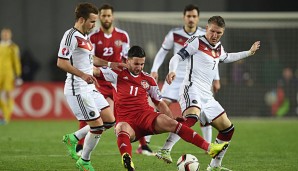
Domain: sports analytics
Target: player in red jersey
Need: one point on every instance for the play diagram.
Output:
(135, 117)
(111, 44)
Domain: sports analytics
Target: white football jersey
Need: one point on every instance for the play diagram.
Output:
(77, 48)
(175, 40)
(202, 63)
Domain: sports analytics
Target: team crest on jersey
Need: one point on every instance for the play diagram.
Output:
(65, 51)
(118, 43)
(145, 84)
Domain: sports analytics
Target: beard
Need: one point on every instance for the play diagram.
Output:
(106, 26)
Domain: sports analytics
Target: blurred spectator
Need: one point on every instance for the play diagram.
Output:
(286, 94)
(241, 74)
(10, 72)
(29, 66)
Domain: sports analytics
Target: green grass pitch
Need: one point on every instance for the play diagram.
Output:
(258, 144)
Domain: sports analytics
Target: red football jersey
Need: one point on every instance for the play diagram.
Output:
(132, 91)
(110, 47)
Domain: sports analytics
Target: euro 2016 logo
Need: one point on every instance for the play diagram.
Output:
(65, 51)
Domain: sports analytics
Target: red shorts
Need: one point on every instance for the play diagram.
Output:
(142, 123)
(107, 91)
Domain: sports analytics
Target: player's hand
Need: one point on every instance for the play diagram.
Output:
(96, 71)
(90, 79)
(18, 81)
(216, 86)
(255, 47)
(154, 75)
(170, 77)
(118, 66)
(180, 119)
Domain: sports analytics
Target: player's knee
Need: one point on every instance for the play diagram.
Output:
(97, 129)
(226, 135)
(108, 125)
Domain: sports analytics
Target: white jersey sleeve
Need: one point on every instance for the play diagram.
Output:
(125, 46)
(67, 45)
(167, 45)
(232, 57)
(109, 75)
(154, 93)
(217, 74)
(158, 60)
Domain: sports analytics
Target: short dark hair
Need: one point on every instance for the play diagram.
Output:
(84, 10)
(218, 20)
(106, 7)
(136, 51)
(191, 7)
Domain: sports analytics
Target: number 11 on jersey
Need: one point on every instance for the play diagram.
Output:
(133, 90)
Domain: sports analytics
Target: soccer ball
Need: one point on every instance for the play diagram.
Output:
(188, 162)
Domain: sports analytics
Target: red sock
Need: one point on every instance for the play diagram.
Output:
(191, 136)
(123, 143)
(142, 141)
(189, 122)
(81, 125)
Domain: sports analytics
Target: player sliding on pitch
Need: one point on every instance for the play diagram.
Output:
(136, 118)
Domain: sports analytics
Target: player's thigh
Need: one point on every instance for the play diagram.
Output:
(103, 107)
(213, 113)
(222, 122)
(163, 124)
(6, 83)
(83, 106)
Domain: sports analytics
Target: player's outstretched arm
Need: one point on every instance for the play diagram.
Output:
(114, 65)
(255, 47)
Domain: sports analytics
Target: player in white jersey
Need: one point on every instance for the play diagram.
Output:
(75, 57)
(175, 40)
(203, 55)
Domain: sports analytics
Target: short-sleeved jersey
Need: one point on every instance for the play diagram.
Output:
(202, 66)
(112, 47)
(175, 39)
(77, 48)
(132, 91)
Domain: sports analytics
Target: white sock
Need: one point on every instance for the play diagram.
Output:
(90, 143)
(148, 138)
(217, 161)
(207, 133)
(171, 141)
(81, 133)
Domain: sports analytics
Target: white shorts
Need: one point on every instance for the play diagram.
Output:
(171, 92)
(210, 108)
(87, 106)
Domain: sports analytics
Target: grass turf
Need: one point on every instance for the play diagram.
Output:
(258, 144)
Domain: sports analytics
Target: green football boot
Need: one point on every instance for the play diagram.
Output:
(164, 154)
(71, 142)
